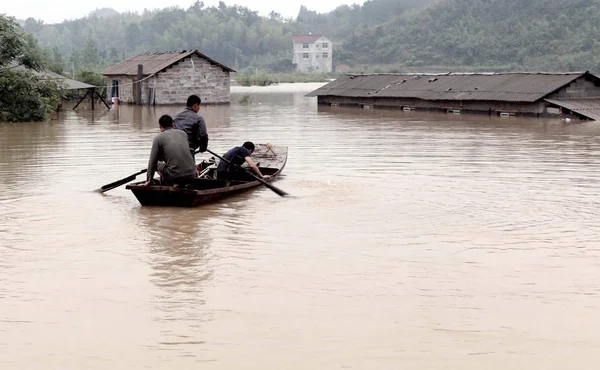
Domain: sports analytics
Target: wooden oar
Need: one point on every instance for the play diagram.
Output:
(118, 183)
(124, 181)
(270, 186)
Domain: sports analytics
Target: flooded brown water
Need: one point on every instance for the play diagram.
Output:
(412, 240)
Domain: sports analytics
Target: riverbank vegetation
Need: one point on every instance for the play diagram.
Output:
(25, 95)
(273, 79)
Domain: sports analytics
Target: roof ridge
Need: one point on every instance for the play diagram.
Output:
(465, 73)
(178, 51)
(154, 62)
(496, 86)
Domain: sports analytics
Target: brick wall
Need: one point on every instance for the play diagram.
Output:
(192, 75)
(125, 88)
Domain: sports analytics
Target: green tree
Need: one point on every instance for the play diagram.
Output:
(26, 96)
(56, 61)
(94, 79)
(32, 26)
(273, 15)
(75, 61)
(91, 58)
(133, 36)
(113, 55)
(236, 35)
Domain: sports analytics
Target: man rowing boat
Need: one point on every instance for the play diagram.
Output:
(237, 156)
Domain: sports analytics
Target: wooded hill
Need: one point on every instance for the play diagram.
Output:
(380, 35)
(488, 34)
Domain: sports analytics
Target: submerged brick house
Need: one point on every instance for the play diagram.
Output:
(505, 94)
(169, 78)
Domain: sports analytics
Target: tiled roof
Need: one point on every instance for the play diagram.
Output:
(66, 82)
(510, 86)
(586, 107)
(156, 62)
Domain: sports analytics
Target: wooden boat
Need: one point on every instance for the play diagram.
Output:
(206, 188)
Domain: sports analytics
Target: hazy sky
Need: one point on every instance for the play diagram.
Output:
(59, 10)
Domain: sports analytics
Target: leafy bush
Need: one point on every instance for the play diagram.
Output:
(25, 96)
(266, 80)
(93, 78)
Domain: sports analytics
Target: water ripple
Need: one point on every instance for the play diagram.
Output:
(426, 240)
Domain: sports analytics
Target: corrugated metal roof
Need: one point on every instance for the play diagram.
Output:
(155, 62)
(68, 83)
(510, 86)
(589, 108)
(306, 38)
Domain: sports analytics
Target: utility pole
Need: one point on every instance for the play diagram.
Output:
(140, 75)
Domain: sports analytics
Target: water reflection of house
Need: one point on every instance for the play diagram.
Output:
(312, 53)
(504, 94)
(169, 78)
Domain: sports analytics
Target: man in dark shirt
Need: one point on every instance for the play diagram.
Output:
(193, 125)
(170, 148)
(237, 156)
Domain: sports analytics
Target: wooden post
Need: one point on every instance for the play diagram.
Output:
(92, 97)
(140, 74)
(80, 100)
(102, 99)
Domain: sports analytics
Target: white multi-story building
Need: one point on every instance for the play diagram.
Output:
(312, 53)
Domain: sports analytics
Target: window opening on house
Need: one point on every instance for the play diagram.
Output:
(114, 90)
(305, 45)
(305, 55)
(325, 55)
(325, 45)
